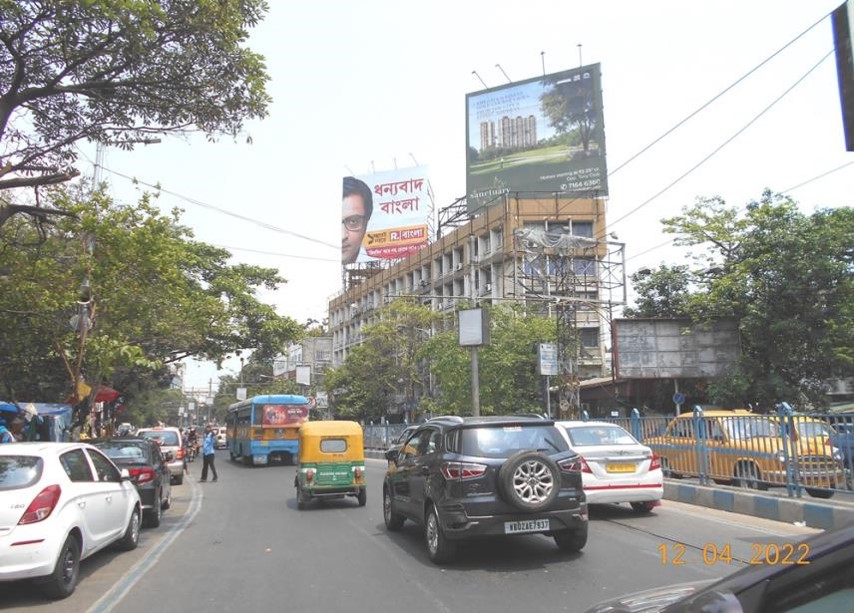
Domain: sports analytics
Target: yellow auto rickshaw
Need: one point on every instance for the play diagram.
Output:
(331, 462)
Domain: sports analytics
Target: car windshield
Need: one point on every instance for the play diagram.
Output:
(502, 441)
(749, 427)
(812, 429)
(17, 471)
(585, 436)
(164, 437)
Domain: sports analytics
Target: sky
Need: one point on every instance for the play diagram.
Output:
(378, 85)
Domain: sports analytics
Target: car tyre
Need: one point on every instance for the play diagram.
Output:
(667, 472)
(167, 504)
(179, 480)
(363, 496)
(643, 507)
(393, 521)
(130, 540)
(819, 493)
(439, 548)
(62, 582)
(570, 541)
(153, 517)
(529, 480)
(748, 477)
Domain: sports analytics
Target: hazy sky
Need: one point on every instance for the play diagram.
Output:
(375, 84)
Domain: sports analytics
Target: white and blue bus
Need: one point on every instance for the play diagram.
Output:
(265, 429)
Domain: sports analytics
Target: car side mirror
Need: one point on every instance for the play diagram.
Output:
(124, 475)
(392, 454)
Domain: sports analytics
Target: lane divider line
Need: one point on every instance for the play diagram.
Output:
(117, 593)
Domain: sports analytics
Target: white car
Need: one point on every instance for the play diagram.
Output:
(615, 466)
(59, 504)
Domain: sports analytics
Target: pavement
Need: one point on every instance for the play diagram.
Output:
(774, 504)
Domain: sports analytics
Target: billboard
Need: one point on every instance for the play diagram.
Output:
(674, 348)
(540, 135)
(843, 37)
(384, 215)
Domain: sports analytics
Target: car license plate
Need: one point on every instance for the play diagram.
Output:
(620, 468)
(528, 525)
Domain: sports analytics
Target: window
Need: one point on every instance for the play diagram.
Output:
(584, 266)
(410, 447)
(683, 428)
(582, 228)
(433, 439)
(107, 472)
(76, 466)
(333, 445)
(502, 441)
(17, 471)
(600, 435)
(589, 337)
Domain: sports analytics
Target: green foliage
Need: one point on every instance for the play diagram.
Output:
(158, 297)
(568, 106)
(118, 72)
(661, 293)
(788, 278)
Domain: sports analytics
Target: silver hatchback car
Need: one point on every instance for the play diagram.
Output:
(169, 440)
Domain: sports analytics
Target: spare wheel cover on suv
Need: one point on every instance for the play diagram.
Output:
(529, 480)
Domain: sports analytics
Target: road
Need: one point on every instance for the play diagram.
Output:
(241, 544)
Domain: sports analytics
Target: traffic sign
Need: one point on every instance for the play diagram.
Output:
(678, 398)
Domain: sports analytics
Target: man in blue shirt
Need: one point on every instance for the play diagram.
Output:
(208, 454)
(5, 434)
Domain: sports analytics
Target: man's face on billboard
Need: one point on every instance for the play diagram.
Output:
(353, 226)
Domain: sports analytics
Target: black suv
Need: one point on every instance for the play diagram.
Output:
(482, 476)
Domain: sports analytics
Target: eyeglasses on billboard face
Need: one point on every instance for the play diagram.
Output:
(354, 222)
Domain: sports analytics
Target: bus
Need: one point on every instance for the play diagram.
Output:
(265, 429)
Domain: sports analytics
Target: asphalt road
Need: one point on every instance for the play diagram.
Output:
(241, 544)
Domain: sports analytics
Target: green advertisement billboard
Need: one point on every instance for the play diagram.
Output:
(542, 135)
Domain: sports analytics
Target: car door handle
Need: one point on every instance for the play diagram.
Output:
(108, 497)
(81, 504)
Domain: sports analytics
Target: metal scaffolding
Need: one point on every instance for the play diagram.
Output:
(578, 280)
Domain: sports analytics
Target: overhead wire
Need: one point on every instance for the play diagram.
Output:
(817, 177)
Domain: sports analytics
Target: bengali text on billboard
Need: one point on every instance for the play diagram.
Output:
(539, 135)
(384, 215)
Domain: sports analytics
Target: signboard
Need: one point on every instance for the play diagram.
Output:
(284, 414)
(384, 215)
(674, 348)
(304, 375)
(547, 359)
(241, 393)
(280, 365)
(474, 327)
(544, 134)
(843, 37)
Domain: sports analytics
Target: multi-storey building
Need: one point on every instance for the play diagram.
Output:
(495, 257)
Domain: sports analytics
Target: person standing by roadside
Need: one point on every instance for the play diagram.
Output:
(6, 435)
(208, 454)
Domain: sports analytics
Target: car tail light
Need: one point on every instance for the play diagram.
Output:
(42, 505)
(309, 475)
(574, 465)
(655, 462)
(180, 454)
(142, 475)
(462, 470)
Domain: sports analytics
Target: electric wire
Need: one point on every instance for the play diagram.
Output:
(817, 177)
(712, 100)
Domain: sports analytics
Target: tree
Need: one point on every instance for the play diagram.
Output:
(788, 278)
(119, 73)
(661, 293)
(571, 105)
(158, 296)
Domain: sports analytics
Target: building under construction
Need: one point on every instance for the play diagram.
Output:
(549, 252)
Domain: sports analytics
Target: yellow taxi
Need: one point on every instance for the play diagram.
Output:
(746, 449)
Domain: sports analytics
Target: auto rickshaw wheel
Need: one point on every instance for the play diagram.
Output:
(363, 496)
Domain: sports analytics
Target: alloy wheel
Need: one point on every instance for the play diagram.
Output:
(533, 481)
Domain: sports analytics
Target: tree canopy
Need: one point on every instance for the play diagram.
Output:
(117, 73)
(787, 277)
(157, 296)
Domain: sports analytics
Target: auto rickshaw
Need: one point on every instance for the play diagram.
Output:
(331, 462)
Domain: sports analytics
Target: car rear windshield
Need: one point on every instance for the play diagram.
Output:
(17, 471)
(599, 435)
(166, 437)
(123, 451)
(503, 441)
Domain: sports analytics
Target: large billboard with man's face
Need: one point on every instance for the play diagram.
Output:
(540, 135)
(384, 215)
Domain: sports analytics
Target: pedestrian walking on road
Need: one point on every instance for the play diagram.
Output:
(208, 454)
